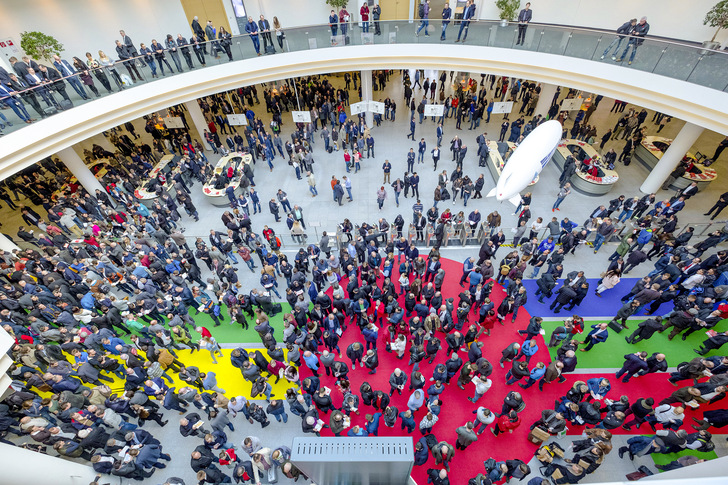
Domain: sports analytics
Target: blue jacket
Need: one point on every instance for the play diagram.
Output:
(594, 386)
(527, 349)
(252, 29)
(373, 427)
(598, 337)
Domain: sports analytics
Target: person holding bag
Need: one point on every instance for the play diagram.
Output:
(280, 35)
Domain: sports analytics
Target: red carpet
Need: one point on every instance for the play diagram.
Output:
(457, 410)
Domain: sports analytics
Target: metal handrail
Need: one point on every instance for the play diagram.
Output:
(239, 50)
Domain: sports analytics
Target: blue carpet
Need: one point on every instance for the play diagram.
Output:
(592, 306)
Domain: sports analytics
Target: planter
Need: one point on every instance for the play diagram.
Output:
(504, 23)
(709, 48)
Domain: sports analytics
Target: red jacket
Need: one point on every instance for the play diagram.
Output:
(505, 423)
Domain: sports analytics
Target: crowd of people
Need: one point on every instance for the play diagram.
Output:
(83, 391)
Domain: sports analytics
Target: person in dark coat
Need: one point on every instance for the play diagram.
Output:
(633, 363)
(645, 330)
(657, 362)
(712, 343)
(565, 295)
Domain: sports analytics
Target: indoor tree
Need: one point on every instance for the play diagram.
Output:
(39, 45)
(717, 17)
(337, 4)
(509, 8)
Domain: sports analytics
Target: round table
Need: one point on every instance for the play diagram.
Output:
(218, 197)
(581, 181)
(650, 151)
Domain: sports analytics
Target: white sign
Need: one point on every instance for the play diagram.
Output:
(434, 110)
(393, 37)
(174, 122)
(376, 107)
(502, 108)
(357, 108)
(367, 38)
(312, 44)
(337, 40)
(237, 120)
(301, 116)
(573, 104)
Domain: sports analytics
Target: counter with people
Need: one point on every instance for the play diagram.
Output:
(498, 155)
(228, 173)
(650, 151)
(593, 175)
(158, 177)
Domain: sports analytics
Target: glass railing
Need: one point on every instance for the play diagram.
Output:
(672, 59)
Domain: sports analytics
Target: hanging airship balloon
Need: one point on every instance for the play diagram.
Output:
(527, 161)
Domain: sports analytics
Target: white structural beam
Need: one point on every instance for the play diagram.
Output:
(698, 105)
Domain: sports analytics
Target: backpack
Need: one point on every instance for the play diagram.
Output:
(505, 269)
(421, 11)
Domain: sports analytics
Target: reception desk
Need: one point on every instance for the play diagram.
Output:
(147, 197)
(581, 181)
(217, 196)
(498, 155)
(650, 151)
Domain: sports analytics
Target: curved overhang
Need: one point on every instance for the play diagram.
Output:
(696, 104)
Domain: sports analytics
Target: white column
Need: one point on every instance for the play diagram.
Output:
(78, 168)
(24, 467)
(6, 244)
(198, 119)
(680, 145)
(366, 94)
(544, 99)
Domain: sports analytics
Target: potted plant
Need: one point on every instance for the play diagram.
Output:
(716, 17)
(508, 10)
(39, 45)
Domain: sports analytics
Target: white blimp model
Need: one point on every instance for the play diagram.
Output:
(527, 161)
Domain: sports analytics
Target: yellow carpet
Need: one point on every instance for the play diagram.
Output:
(229, 378)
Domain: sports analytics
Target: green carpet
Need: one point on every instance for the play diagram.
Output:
(611, 353)
(234, 333)
(664, 459)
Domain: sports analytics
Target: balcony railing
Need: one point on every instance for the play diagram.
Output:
(673, 59)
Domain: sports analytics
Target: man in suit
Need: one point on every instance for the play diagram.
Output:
(37, 81)
(198, 46)
(185, 49)
(199, 32)
(54, 77)
(21, 86)
(264, 28)
(12, 99)
(211, 36)
(126, 40)
(4, 76)
(69, 73)
(125, 55)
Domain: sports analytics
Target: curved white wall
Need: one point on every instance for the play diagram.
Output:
(699, 105)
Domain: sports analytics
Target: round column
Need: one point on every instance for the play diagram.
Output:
(78, 168)
(680, 145)
(545, 98)
(198, 119)
(366, 94)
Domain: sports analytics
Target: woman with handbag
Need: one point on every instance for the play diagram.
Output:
(225, 41)
(98, 71)
(280, 35)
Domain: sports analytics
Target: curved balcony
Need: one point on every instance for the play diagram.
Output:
(677, 78)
